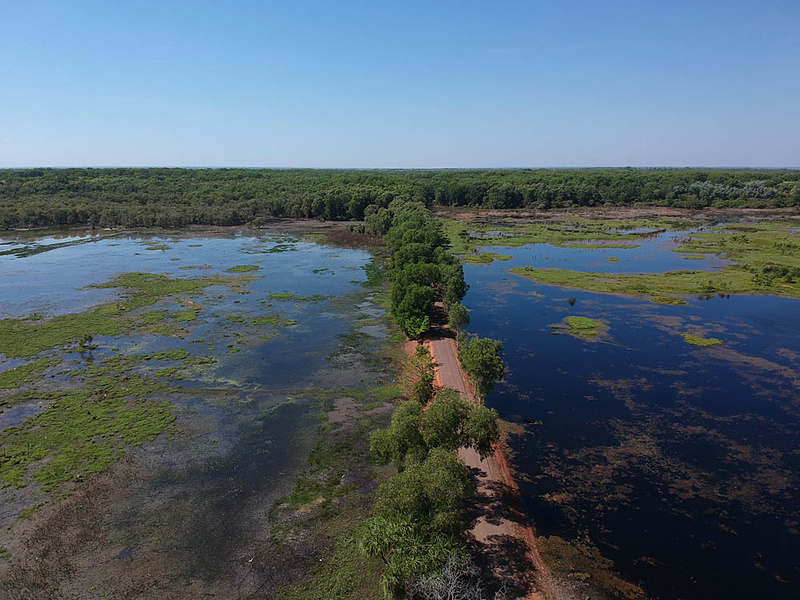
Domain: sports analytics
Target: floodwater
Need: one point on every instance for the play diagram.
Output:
(189, 508)
(678, 463)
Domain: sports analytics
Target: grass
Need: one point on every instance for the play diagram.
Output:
(20, 338)
(188, 315)
(290, 297)
(669, 300)
(730, 280)
(274, 321)
(699, 341)
(159, 247)
(612, 259)
(30, 373)
(243, 269)
(466, 236)
(83, 431)
(483, 257)
(581, 327)
(767, 257)
(599, 246)
(30, 511)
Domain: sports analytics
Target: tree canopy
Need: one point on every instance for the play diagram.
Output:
(181, 197)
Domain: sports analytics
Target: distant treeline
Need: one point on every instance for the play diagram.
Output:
(179, 197)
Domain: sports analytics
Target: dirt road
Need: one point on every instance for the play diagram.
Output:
(502, 536)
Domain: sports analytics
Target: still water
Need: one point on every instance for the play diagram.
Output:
(678, 463)
(190, 506)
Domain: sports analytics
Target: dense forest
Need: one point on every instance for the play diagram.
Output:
(179, 197)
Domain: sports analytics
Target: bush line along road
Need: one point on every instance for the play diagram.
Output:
(421, 518)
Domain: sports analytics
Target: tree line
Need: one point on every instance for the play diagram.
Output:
(420, 518)
(181, 197)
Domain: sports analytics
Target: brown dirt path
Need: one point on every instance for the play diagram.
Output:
(502, 535)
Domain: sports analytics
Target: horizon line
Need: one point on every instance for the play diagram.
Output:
(476, 168)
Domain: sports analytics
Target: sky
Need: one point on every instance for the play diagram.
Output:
(391, 84)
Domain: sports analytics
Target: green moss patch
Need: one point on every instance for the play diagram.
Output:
(26, 337)
(732, 280)
(290, 297)
(669, 300)
(699, 341)
(465, 236)
(30, 373)
(581, 327)
(274, 321)
(243, 269)
(612, 259)
(83, 432)
(599, 246)
(188, 315)
(159, 247)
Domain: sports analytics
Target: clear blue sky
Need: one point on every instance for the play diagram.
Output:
(434, 83)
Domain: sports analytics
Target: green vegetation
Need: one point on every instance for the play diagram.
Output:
(482, 359)
(599, 246)
(243, 269)
(29, 373)
(420, 267)
(290, 297)
(160, 247)
(669, 300)
(420, 514)
(83, 431)
(30, 511)
(458, 318)
(183, 316)
(274, 321)
(581, 327)
(612, 259)
(699, 341)
(466, 237)
(25, 337)
(767, 259)
(727, 281)
(769, 250)
(180, 197)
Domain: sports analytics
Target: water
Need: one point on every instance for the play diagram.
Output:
(678, 463)
(195, 501)
(653, 254)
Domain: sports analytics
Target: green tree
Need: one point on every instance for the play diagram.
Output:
(402, 439)
(482, 359)
(450, 422)
(433, 492)
(377, 219)
(458, 317)
(412, 311)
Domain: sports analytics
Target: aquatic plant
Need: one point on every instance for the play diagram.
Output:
(668, 300)
(695, 340)
(581, 327)
(243, 269)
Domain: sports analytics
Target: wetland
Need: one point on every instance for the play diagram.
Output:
(191, 411)
(656, 436)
